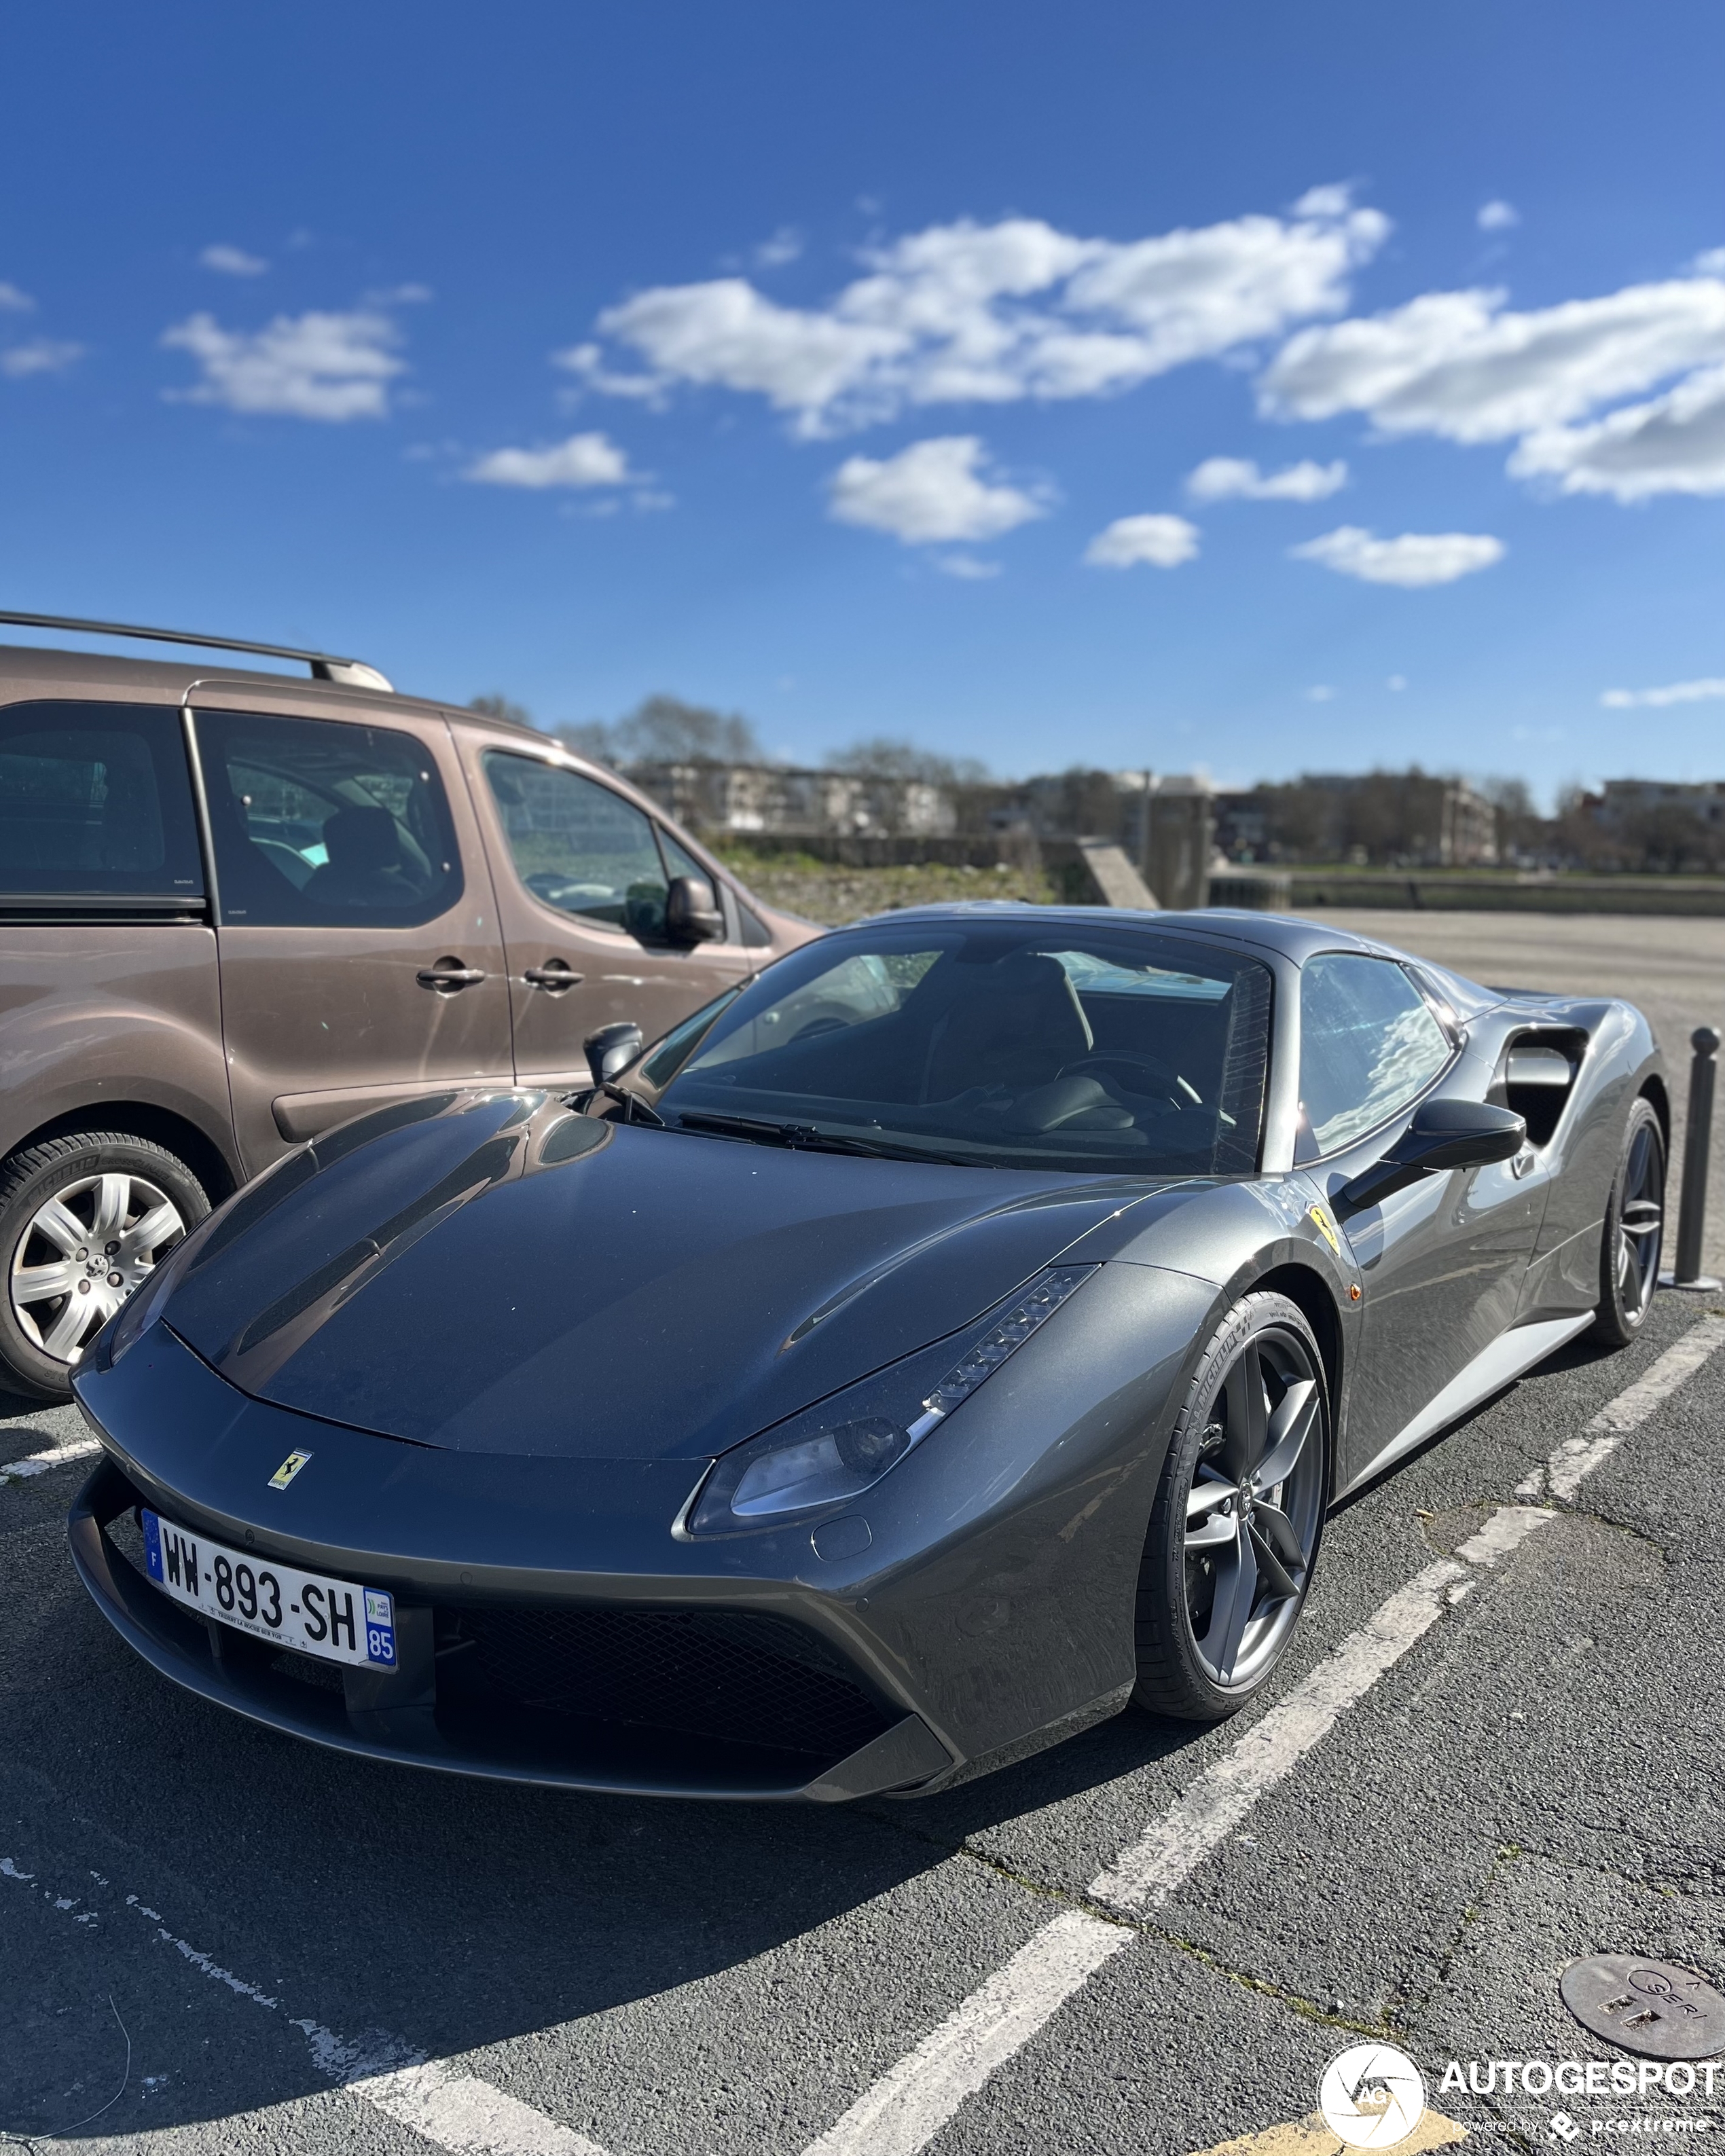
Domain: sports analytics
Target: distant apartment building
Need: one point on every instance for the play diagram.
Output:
(1400, 819)
(1620, 801)
(773, 800)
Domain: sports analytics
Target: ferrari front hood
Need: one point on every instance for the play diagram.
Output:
(501, 1276)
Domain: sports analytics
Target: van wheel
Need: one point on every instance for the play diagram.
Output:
(84, 1219)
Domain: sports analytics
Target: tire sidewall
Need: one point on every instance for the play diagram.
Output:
(47, 1170)
(1614, 1323)
(1162, 1575)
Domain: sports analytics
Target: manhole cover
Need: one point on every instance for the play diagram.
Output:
(1651, 2007)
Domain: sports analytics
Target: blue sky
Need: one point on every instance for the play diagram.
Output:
(1250, 387)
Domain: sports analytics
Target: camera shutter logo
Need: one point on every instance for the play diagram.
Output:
(1372, 2096)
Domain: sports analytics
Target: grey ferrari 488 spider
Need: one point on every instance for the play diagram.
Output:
(956, 1333)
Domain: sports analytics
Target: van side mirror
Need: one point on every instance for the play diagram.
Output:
(1443, 1135)
(612, 1048)
(691, 911)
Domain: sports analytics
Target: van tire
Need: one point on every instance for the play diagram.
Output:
(71, 1168)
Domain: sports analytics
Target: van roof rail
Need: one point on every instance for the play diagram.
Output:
(350, 673)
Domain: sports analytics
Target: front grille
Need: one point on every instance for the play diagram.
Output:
(739, 1677)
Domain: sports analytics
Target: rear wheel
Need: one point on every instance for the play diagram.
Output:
(1634, 1229)
(84, 1219)
(1238, 1516)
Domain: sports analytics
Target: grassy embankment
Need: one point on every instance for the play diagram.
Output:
(822, 890)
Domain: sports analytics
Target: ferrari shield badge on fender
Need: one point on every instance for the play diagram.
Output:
(1325, 1227)
(289, 1468)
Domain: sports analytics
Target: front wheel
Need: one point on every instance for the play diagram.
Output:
(1634, 1229)
(84, 1219)
(1239, 1514)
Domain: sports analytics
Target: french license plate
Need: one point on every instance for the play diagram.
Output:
(330, 1618)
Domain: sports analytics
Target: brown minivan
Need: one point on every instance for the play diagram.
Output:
(237, 908)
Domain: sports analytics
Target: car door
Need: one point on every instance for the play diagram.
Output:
(359, 949)
(581, 876)
(1441, 1262)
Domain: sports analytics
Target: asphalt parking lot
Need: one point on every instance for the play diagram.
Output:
(1474, 1768)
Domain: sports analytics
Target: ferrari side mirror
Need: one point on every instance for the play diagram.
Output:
(691, 911)
(612, 1048)
(1443, 1135)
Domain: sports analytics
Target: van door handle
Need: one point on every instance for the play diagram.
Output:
(554, 976)
(448, 976)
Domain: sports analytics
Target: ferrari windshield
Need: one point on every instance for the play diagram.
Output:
(1012, 1042)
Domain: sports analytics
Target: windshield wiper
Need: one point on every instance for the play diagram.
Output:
(810, 1137)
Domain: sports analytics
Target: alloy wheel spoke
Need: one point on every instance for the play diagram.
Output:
(1278, 1529)
(1276, 1575)
(1204, 1496)
(65, 1336)
(1216, 1533)
(1247, 1410)
(62, 1228)
(1236, 1590)
(157, 1225)
(36, 1283)
(113, 1199)
(1293, 1424)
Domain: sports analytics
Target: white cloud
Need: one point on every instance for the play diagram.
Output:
(1163, 541)
(1416, 558)
(1672, 444)
(582, 460)
(1498, 217)
(1320, 692)
(41, 356)
(1461, 365)
(1397, 682)
(1224, 479)
(1674, 692)
(14, 301)
(993, 314)
(233, 261)
(331, 367)
(967, 568)
(785, 246)
(929, 492)
(1710, 264)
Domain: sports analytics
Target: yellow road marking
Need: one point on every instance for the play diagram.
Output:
(1310, 2137)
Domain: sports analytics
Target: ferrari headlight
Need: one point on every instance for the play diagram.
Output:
(832, 1453)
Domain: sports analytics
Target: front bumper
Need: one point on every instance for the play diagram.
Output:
(512, 1665)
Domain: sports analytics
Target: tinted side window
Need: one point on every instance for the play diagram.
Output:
(577, 845)
(1369, 1043)
(320, 823)
(96, 798)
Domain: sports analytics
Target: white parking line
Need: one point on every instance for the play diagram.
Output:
(1561, 1476)
(57, 1455)
(433, 2098)
(910, 2104)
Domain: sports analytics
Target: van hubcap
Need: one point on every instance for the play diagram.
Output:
(83, 1252)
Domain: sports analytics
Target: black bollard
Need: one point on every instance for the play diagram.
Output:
(1697, 1144)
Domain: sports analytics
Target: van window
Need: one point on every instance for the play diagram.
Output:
(95, 798)
(316, 821)
(578, 846)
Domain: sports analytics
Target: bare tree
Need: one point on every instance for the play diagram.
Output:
(882, 756)
(666, 730)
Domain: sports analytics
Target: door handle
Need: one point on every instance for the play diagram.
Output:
(449, 976)
(554, 976)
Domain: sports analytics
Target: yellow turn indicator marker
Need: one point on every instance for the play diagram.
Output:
(1311, 2137)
